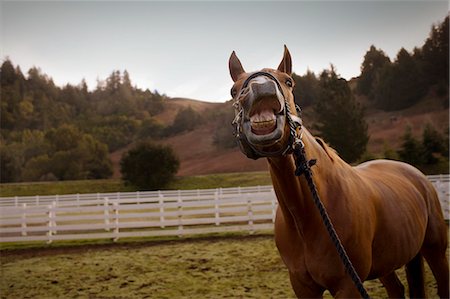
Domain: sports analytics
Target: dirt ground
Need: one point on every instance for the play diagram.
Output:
(231, 267)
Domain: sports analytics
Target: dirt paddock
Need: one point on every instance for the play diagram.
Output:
(211, 267)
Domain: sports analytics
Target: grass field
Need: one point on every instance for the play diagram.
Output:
(233, 267)
(224, 180)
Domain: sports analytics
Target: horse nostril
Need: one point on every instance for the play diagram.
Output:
(265, 89)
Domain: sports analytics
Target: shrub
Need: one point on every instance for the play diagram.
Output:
(149, 166)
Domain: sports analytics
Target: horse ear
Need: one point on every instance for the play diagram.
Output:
(235, 67)
(286, 64)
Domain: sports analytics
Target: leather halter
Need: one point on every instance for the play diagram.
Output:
(246, 147)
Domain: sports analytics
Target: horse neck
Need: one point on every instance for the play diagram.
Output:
(293, 192)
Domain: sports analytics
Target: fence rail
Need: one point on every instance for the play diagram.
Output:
(145, 214)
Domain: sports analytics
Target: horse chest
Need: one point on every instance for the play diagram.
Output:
(308, 260)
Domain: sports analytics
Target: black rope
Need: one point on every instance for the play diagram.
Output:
(303, 166)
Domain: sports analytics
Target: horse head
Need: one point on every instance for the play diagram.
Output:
(265, 123)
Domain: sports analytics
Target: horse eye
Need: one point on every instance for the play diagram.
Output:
(233, 92)
(289, 82)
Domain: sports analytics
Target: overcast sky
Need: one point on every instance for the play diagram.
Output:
(182, 48)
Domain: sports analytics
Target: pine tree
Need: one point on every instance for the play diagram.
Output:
(306, 89)
(374, 60)
(435, 53)
(341, 118)
(400, 84)
(432, 143)
(411, 149)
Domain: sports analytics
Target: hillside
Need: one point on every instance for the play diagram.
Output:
(198, 154)
(173, 105)
(195, 149)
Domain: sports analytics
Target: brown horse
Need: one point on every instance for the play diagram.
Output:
(386, 213)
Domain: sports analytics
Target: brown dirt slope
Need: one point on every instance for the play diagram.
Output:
(173, 105)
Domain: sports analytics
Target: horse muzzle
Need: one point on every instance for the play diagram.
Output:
(264, 115)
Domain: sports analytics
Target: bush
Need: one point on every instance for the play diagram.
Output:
(223, 136)
(149, 166)
(186, 120)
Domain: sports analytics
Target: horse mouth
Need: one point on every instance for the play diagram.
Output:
(265, 123)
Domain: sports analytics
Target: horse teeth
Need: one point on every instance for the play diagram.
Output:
(263, 124)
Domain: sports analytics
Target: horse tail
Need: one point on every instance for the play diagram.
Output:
(414, 275)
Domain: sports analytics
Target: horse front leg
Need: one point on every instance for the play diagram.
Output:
(345, 288)
(305, 287)
(393, 285)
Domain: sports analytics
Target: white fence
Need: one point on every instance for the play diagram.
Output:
(146, 214)
(137, 214)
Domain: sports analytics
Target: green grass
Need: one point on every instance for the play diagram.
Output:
(115, 185)
(62, 187)
(223, 180)
(237, 267)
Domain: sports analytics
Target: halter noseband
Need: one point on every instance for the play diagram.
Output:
(249, 149)
(258, 74)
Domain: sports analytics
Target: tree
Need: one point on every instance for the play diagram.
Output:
(340, 118)
(150, 128)
(306, 89)
(76, 155)
(223, 136)
(116, 130)
(435, 53)
(187, 119)
(9, 171)
(400, 84)
(432, 143)
(411, 149)
(149, 166)
(374, 60)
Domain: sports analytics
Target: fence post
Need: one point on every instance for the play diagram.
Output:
(106, 213)
(161, 209)
(250, 216)
(51, 222)
(24, 219)
(16, 201)
(78, 200)
(216, 208)
(274, 208)
(116, 221)
(180, 210)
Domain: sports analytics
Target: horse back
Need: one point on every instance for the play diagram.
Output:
(407, 209)
(398, 177)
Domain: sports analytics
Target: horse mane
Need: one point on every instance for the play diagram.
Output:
(331, 152)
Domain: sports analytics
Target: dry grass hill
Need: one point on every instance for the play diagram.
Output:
(198, 155)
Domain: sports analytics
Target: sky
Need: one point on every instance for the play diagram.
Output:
(181, 48)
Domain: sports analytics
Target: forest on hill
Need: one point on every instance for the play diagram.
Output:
(65, 133)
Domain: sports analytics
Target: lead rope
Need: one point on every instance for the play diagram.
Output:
(303, 167)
